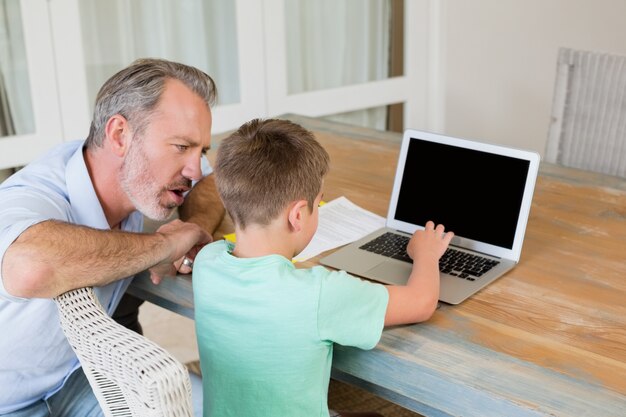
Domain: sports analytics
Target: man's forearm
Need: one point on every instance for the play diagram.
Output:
(53, 257)
(203, 205)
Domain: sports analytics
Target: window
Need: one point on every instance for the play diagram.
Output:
(355, 60)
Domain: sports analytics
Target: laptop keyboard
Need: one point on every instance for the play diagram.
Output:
(389, 244)
(453, 262)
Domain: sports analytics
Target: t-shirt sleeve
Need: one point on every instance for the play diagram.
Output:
(351, 310)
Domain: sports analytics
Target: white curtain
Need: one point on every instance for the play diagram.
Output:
(196, 32)
(329, 43)
(334, 43)
(16, 115)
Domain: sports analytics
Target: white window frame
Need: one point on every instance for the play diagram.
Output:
(252, 80)
(18, 150)
(412, 88)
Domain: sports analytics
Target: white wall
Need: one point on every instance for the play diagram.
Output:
(499, 61)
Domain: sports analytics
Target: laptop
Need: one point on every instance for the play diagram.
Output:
(482, 192)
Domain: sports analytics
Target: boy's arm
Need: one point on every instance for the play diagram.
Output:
(417, 300)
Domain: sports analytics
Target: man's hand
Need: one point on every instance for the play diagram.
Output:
(185, 240)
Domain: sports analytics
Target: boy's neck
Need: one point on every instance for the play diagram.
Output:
(256, 241)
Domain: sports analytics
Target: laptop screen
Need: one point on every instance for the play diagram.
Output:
(476, 194)
(480, 191)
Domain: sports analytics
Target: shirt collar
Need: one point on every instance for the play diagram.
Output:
(83, 199)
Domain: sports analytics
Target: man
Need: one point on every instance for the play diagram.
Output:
(71, 219)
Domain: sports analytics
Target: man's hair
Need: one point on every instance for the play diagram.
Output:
(264, 166)
(134, 92)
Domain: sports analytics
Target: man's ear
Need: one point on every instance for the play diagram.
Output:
(296, 216)
(118, 134)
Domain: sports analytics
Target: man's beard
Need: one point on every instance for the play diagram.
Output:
(140, 187)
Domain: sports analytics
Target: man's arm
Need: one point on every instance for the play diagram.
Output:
(53, 257)
(203, 205)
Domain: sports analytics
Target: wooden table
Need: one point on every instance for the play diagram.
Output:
(547, 339)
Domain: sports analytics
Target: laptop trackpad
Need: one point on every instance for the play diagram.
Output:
(396, 273)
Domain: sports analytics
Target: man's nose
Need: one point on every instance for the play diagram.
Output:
(192, 168)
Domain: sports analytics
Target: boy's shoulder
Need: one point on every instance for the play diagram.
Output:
(213, 249)
(217, 246)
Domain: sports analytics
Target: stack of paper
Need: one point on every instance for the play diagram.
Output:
(340, 222)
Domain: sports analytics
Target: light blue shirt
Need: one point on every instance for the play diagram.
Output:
(266, 331)
(35, 357)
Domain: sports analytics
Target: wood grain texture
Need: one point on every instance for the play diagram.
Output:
(546, 339)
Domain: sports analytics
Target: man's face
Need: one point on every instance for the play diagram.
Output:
(162, 161)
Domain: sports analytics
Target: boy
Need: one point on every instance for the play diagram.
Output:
(265, 328)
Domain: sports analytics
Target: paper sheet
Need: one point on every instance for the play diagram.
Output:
(340, 222)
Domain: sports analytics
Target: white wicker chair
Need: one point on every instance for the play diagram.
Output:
(130, 375)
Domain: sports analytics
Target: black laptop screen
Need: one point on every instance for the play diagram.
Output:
(475, 194)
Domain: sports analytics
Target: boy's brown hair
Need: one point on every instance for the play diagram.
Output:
(265, 165)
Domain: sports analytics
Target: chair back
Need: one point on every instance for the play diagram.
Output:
(588, 124)
(130, 375)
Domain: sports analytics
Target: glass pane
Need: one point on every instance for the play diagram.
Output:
(16, 109)
(195, 32)
(333, 44)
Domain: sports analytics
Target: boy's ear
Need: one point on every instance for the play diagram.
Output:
(296, 216)
(118, 134)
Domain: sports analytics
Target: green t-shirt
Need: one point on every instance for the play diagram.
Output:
(266, 330)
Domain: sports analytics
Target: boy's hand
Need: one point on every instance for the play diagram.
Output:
(431, 242)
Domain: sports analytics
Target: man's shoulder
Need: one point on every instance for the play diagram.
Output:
(53, 161)
(44, 177)
(58, 156)
(63, 150)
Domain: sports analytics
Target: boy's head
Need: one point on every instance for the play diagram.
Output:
(264, 166)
